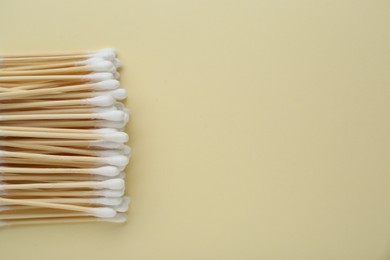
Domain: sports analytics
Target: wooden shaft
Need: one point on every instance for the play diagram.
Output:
(60, 124)
(90, 193)
(37, 92)
(52, 111)
(18, 60)
(45, 129)
(38, 66)
(51, 221)
(29, 170)
(42, 215)
(60, 200)
(44, 205)
(51, 177)
(39, 78)
(84, 184)
(56, 149)
(51, 135)
(49, 157)
(56, 71)
(44, 104)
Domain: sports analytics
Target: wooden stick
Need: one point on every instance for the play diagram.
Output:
(42, 215)
(78, 136)
(58, 221)
(40, 78)
(57, 71)
(59, 185)
(50, 148)
(26, 170)
(45, 205)
(37, 92)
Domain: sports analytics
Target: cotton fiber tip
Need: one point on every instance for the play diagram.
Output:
(117, 125)
(119, 94)
(118, 160)
(111, 193)
(107, 54)
(124, 206)
(108, 153)
(113, 184)
(88, 61)
(120, 137)
(105, 144)
(105, 131)
(107, 201)
(103, 212)
(101, 66)
(110, 84)
(102, 110)
(117, 137)
(121, 175)
(100, 101)
(126, 116)
(119, 218)
(117, 63)
(126, 150)
(116, 75)
(99, 76)
(109, 171)
(111, 116)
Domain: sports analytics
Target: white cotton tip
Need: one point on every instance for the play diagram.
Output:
(103, 212)
(117, 63)
(109, 171)
(113, 184)
(117, 160)
(117, 125)
(122, 168)
(101, 66)
(126, 150)
(111, 116)
(88, 61)
(124, 206)
(111, 193)
(102, 110)
(119, 94)
(119, 218)
(100, 101)
(107, 54)
(108, 153)
(120, 137)
(126, 116)
(107, 201)
(116, 75)
(110, 84)
(112, 70)
(105, 144)
(99, 76)
(105, 131)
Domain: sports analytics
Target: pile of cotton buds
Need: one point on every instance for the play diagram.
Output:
(63, 152)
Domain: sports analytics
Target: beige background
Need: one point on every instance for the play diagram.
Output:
(260, 129)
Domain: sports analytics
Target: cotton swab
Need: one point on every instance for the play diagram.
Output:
(62, 142)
